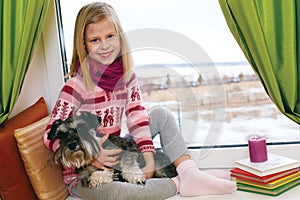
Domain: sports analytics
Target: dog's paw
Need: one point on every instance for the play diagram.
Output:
(99, 178)
(136, 177)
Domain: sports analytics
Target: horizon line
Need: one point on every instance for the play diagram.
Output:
(226, 63)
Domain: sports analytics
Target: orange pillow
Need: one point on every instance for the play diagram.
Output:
(14, 182)
(45, 176)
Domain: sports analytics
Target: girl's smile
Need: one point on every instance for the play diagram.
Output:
(102, 41)
(105, 55)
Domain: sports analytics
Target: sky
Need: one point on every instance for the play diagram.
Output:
(201, 21)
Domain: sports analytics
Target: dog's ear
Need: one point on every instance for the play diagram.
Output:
(53, 132)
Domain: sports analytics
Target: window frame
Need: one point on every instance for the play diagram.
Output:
(206, 157)
(61, 38)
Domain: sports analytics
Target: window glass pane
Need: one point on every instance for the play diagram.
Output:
(191, 90)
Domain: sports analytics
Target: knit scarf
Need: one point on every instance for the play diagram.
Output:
(110, 77)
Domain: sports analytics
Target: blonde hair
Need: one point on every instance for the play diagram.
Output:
(89, 14)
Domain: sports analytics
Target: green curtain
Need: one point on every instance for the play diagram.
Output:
(268, 32)
(21, 27)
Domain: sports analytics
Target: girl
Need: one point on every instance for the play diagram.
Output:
(103, 83)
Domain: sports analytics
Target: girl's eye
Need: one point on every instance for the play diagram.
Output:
(94, 40)
(110, 36)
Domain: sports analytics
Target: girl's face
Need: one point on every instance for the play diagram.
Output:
(102, 42)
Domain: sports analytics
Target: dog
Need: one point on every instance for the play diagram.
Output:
(79, 146)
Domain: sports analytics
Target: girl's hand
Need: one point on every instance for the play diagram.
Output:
(149, 168)
(108, 158)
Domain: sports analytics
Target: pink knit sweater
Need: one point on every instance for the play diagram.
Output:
(110, 106)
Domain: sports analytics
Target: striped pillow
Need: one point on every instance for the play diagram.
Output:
(44, 174)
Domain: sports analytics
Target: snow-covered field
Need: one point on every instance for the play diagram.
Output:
(199, 132)
(238, 130)
(248, 120)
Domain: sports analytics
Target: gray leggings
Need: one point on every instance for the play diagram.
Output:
(163, 123)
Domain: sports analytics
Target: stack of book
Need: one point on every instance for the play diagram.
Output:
(272, 177)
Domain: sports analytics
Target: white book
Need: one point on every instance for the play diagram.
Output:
(275, 163)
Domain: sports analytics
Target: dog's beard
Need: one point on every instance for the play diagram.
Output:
(83, 154)
(78, 158)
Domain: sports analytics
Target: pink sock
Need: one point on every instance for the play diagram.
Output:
(193, 182)
(219, 174)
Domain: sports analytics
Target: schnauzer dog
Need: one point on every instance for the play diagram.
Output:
(79, 146)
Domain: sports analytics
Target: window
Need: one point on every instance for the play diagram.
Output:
(211, 89)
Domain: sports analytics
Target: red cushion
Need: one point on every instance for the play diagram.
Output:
(14, 182)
